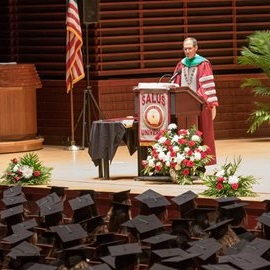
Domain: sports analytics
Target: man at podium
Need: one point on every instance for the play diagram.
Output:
(196, 72)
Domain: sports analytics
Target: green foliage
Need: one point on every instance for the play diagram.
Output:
(226, 183)
(28, 170)
(257, 54)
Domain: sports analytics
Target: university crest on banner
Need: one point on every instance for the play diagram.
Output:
(154, 113)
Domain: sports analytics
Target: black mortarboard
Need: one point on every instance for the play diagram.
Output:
(24, 249)
(218, 267)
(93, 195)
(26, 225)
(60, 191)
(121, 196)
(40, 266)
(81, 202)
(14, 200)
(12, 191)
(218, 230)
(70, 234)
(264, 219)
(258, 246)
(236, 211)
(47, 209)
(180, 224)
(226, 200)
(11, 212)
(185, 202)
(146, 225)
(125, 254)
(247, 261)
(157, 266)
(147, 194)
(186, 261)
(237, 247)
(93, 223)
(17, 238)
(159, 241)
(50, 199)
(207, 248)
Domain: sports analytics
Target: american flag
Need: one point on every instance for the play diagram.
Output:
(74, 60)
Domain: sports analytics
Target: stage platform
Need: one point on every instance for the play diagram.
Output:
(75, 170)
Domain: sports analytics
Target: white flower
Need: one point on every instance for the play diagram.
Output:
(220, 173)
(161, 156)
(15, 168)
(162, 140)
(179, 158)
(186, 149)
(27, 171)
(175, 138)
(233, 179)
(197, 156)
(196, 138)
(176, 148)
(167, 163)
(172, 126)
(151, 163)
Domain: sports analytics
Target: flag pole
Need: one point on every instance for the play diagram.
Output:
(72, 146)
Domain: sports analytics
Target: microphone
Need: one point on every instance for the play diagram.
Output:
(163, 76)
(175, 74)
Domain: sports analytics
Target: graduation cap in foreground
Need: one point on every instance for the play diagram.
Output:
(125, 255)
(11, 212)
(12, 191)
(147, 225)
(60, 191)
(236, 211)
(207, 249)
(81, 207)
(14, 200)
(52, 213)
(248, 261)
(26, 225)
(159, 241)
(92, 223)
(264, 219)
(258, 246)
(185, 202)
(24, 249)
(17, 238)
(69, 234)
(219, 229)
(50, 199)
(121, 196)
(186, 260)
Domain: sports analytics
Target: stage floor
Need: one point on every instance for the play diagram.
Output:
(74, 169)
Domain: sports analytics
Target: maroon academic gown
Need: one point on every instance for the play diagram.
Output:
(203, 84)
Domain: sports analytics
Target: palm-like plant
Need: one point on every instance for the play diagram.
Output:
(257, 54)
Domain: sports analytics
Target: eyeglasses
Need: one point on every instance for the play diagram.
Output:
(188, 49)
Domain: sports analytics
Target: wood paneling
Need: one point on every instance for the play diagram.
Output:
(133, 41)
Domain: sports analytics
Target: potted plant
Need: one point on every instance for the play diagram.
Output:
(257, 54)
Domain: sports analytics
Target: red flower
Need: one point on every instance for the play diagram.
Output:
(182, 132)
(190, 153)
(182, 141)
(36, 173)
(158, 168)
(191, 143)
(219, 186)
(173, 164)
(203, 154)
(16, 178)
(199, 133)
(190, 164)
(220, 179)
(14, 160)
(19, 172)
(185, 172)
(172, 154)
(235, 186)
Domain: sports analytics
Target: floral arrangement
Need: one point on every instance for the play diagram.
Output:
(226, 183)
(177, 153)
(28, 170)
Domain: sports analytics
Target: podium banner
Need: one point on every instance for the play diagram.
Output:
(154, 113)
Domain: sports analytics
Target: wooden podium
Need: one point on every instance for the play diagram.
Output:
(185, 109)
(18, 120)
